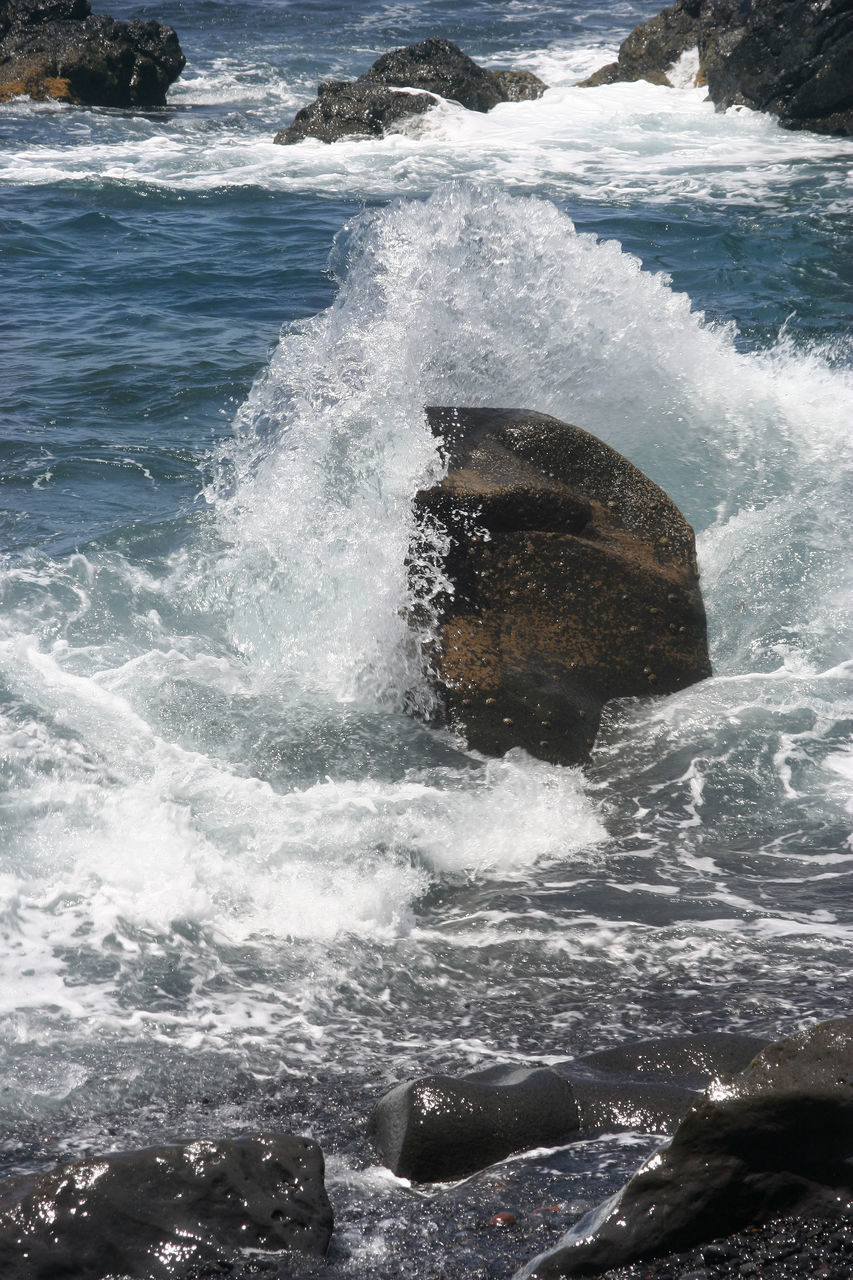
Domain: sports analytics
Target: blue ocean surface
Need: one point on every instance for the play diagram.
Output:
(243, 884)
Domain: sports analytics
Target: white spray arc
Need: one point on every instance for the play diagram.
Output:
(474, 297)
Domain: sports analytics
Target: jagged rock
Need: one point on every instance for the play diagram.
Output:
(158, 1212)
(517, 85)
(574, 581)
(439, 1128)
(344, 109)
(376, 100)
(788, 57)
(653, 47)
(775, 1140)
(59, 49)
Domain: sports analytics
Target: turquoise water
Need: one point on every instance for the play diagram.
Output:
(241, 885)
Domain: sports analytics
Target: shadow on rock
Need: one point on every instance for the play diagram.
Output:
(775, 1140)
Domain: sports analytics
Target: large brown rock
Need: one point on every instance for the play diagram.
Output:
(58, 49)
(573, 577)
(775, 1140)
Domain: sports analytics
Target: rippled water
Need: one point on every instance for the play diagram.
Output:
(241, 884)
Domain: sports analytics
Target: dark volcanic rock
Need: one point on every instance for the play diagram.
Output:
(776, 1140)
(783, 1249)
(574, 581)
(652, 1084)
(59, 49)
(691, 1061)
(344, 109)
(653, 46)
(439, 1128)
(378, 99)
(437, 66)
(157, 1212)
(789, 57)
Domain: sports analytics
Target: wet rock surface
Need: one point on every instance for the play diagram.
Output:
(776, 1140)
(690, 1061)
(58, 49)
(403, 83)
(783, 1249)
(166, 1211)
(652, 48)
(650, 1086)
(440, 1128)
(574, 581)
(788, 57)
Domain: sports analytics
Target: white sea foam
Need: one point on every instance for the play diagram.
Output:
(618, 142)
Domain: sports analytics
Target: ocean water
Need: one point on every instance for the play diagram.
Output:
(243, 884)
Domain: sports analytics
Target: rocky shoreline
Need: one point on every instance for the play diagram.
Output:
(782, 1249)
(764, 1152)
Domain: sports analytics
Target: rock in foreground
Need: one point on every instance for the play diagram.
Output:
(574, 581)
(788, 57)
(402, 83)
(158, 1212)
(439, 1128)
(58, 49)
(776, 1140)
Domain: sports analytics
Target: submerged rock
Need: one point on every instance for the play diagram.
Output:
(788, 57)
(573, 577)
(58, 49)
(155, 1213)
(406, 82)
(651, 1085)
(777, 1139)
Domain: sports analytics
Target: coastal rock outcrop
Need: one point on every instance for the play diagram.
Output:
(59, 49)
(154, 1213)
(439, 1128)
(402, 83)
(573, 581)
(787, 57)
(775, 1140)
